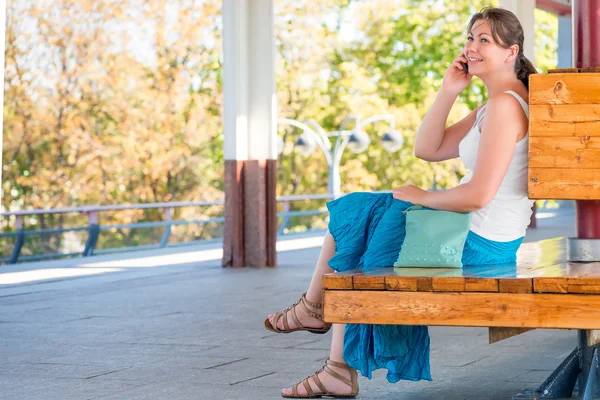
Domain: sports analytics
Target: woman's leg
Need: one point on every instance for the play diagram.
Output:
(330, 383)
(314, 293)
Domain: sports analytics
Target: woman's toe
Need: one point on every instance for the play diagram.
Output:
(286, 391)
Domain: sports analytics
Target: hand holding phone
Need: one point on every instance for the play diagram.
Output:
(465, 67)
(457, 77)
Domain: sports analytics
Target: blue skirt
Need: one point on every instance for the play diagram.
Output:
(369, 229)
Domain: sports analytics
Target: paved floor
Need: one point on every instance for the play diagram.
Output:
(173, 324)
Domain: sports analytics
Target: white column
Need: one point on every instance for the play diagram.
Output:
(235, 79)
(524, 10)
(262, 143)
(249, 80)
(2, 50)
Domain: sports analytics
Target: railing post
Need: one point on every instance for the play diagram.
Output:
(14, 257)
(167, 232)
(93, 233)
(286, 218)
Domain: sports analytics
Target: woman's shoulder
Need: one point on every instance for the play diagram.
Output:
(508, 101)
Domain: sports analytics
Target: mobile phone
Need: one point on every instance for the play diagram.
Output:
(465, 67)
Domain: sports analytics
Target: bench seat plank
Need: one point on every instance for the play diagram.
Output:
(566, 311)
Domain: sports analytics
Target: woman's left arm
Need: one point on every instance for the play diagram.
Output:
(503, 124)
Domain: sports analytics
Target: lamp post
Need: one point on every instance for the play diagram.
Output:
(356, 140)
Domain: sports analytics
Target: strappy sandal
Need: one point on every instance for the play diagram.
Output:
(353, 383)
(303, 301)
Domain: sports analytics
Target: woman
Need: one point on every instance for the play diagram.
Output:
(367, 230)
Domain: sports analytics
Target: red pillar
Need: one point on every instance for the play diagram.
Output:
(586, 53)
(250, 230)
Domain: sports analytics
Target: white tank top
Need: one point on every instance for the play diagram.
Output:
(507, 216)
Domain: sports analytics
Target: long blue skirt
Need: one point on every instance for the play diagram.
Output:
(369, 229)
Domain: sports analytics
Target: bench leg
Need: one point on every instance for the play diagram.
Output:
(581, 367)
(589, 380)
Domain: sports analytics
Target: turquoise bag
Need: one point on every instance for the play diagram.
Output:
(434, 238)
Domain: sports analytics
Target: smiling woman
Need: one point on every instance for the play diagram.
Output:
(492, 27)
(367, 230)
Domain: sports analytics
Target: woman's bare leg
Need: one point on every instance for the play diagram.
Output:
(315, 289)
(314, 293)
(335, 354)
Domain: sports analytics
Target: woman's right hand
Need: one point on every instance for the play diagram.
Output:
(455, 78)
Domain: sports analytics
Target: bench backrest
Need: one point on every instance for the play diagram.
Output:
(564, 135)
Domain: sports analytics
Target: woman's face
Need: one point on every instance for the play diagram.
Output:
(483, 53)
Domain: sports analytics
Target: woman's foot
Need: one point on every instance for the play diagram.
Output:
(334, 379)
(302, 315)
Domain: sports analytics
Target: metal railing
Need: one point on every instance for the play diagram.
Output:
(94, 228)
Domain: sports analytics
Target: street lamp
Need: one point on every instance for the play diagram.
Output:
(356, 140)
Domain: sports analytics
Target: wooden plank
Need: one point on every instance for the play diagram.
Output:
(448, 284)
(582, 88)
(568, 311)
(369, 282)
(336, 281)
(564, 120)
(549, 285)
(583, 285)
(401, 283)
(522, 285)
(498, 334)
(564, 184)
(481, 285)
(565, 152)
(417, 279)
(424, 284)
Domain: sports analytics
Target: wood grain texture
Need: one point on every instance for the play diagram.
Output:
(481, 285)
(368, 282)
(401, 283)
(568, 311)
(523, 285)
(564, 120)
(335, 281)
(564, 184)
(565, 152)
(448, 284)
(581, 88)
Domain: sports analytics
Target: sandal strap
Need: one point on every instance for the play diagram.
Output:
(313, 305)
(329, 361)
(309, 390)
(319, 383)
(286, 326)
(295, 318)
(308, 310)
(275, 321)
(337, 376)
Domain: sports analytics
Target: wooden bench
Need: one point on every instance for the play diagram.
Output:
(543, 289)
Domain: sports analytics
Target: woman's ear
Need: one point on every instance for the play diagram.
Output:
(514, 52)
